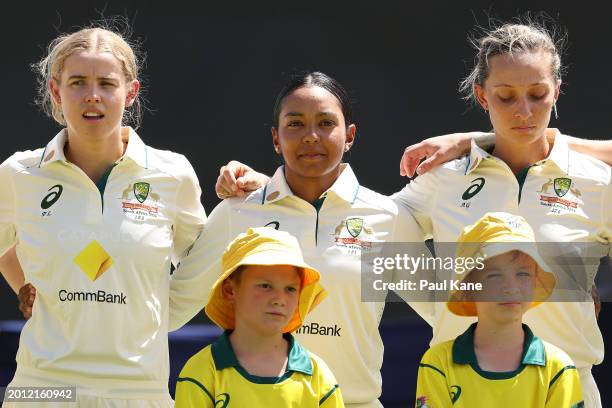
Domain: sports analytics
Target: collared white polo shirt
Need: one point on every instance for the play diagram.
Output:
(342, 330)
(565, 198)
(99, 257)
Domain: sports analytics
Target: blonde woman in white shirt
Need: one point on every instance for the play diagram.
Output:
(95, 219)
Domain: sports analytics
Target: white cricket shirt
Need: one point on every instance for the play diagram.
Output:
(99, 257)
(565, 198)
(342, 330)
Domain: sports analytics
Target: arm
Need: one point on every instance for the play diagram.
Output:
(9, 264)
(440, 149)
(418, 197)
(191, 281)
(330, 395)
(432, 388)
(190, 214)
(332, 398)
(565, 390)
(195, 383)
(599, 149)
(11, 269)
(410, 237)
(238, 179)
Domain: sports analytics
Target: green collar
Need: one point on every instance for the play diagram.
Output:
(533, 353)
(298, 359)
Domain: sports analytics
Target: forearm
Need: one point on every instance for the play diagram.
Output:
(599, 149)
(11, 270)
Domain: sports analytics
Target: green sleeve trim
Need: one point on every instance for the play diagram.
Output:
(578, 405)
(199, 384)
(432, 367)
(556, 377)
(326, 396)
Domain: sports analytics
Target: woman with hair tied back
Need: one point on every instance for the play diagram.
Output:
(531, 171)
(317, 198)
(95, 219)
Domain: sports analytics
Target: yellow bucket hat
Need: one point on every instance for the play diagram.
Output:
(265, 246)
(497, 233)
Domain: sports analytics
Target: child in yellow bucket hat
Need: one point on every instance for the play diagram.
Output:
(498, 361)
(263, 294)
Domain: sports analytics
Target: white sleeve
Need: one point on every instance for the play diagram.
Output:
(190, 216)
(192, 280)
(419, 198)
(409, 238)
(606, 209)
(8, 233)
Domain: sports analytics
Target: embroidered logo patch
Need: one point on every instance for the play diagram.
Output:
(141, 191)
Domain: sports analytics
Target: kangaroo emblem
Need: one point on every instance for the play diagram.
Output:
(546, 186)
(126, 193)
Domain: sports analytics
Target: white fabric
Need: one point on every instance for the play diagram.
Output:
(590, 393)
(436, 200)
(351, 346)
(119, 348)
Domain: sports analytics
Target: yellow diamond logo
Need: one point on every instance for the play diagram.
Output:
(93, 260)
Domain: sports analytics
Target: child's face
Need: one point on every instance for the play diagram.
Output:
(265, 297)
(508, 282)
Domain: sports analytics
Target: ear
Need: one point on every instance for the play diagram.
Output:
(557, 90)
(53, 87)
(351, 132)
(275, 140)
(133, 88)
(481, 97)
(228, 290)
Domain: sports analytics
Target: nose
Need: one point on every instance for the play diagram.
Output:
(279, 298)
(93, 96)
(512, 286)
(523, 109)
(311, 136)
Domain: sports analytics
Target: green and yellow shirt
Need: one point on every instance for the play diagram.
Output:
(214, 378)
(449, 376)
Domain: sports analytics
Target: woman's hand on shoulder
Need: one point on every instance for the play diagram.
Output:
(236, 179)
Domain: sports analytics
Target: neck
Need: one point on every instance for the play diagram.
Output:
(491, 334)
(311, 188)
(94, 155)
(246, 341)
(518, 155)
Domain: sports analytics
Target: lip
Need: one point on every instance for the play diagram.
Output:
(92, 118)
(524, 128)
(510, 304)
(275, 314)
(311, 155)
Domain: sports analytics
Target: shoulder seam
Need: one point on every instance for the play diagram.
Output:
(199, 384)
(329, 393)
(556, 377)
(432, 367)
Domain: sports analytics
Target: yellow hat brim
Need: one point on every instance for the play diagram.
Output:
(221, 312)
(544, 283)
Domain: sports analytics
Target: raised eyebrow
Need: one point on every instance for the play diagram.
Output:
(293, 114)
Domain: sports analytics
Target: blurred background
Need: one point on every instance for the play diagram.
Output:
(213, 70)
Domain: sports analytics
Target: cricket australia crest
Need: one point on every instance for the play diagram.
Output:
(141, 191)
